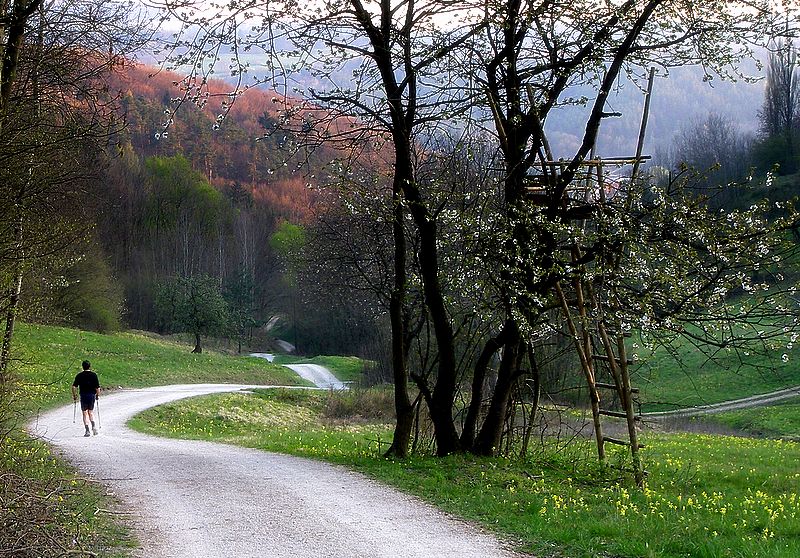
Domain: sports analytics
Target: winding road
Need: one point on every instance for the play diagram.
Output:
(201, 499)
(732, 405)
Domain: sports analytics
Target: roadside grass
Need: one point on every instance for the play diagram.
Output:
(345, 368)
(49, 357)
(705, 496)
(46, 511)
(781, 420)
(288, 421)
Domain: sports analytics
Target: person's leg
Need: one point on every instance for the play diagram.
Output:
(87, 406)
(85, 413)
(90, 412)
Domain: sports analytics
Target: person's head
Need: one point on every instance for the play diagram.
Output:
(86, 365)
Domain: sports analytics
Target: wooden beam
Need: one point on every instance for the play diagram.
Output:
(617, 414)
(604, 358)
(613, 386)
(618, 441)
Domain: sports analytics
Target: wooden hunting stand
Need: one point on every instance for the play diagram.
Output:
(595, 325)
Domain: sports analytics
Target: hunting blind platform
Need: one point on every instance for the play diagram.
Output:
(592, 312)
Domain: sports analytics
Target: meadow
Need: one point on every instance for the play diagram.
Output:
(705, 496)
(47, 359)
(684, 376)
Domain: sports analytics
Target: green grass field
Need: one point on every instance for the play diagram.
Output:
(689, 378)
(49, 357)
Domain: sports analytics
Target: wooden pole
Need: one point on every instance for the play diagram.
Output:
(643, 127)
(588, 372)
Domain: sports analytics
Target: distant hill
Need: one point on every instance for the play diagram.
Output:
(678, 101)
(232, 154)
(240, 152)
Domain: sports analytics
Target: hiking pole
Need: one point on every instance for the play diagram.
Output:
(74, 408)
(97, 403)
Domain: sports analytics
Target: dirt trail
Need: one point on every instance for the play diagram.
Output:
(744, 403)
(200, 499)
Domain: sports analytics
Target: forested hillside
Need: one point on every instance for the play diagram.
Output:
(202, 197)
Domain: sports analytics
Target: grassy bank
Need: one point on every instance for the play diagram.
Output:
(706, 496)
(687, 377)
(48, 511)
(49, 357)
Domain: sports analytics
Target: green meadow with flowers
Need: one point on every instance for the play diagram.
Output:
(705, 496)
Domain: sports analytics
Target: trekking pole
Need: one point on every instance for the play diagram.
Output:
(74, 409)
(97, 402)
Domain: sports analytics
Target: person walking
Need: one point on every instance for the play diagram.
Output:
(87, 384)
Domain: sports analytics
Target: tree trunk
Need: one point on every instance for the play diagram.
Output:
(488, 440)
(403, 120)
(404, 409)
(444, 391)
(469, 430)
(536, 392)
(11, 316)
(197, 347)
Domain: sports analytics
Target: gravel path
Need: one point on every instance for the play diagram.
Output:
(200, 499)
(314, 373)
(317, 375)
(732, 405)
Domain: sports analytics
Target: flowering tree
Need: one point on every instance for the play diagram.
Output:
(393, 75)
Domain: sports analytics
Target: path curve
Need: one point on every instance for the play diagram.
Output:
(314, 373)
(732, 405)
(317, 375)
(201, 499)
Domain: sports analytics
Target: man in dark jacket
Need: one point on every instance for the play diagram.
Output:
(88, 385)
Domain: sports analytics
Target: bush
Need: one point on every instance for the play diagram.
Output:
(776, 151)
(362, 404)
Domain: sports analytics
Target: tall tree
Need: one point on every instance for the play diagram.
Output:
(415, 70)
(781, 109)
(717, 152)
(534, 54)
(53, 115)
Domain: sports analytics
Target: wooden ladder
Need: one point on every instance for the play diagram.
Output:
(594, 343)
(615, 360)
